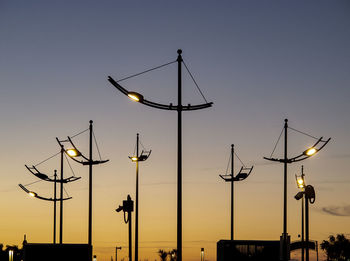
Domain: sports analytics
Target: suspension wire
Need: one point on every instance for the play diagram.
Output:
(78, 133)
(303, 133)
(47, 159)
(142, 145)
(228, 164)
(152, 69)
(98, 150)
(134, 153)
(66, 192)
(277, 142)
(194, 81)
(239, 159)
(33, 182)
(71, 169)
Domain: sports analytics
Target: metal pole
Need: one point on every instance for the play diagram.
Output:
(302, 218)
(285, 193)
(137, 200)
(54, 207)
(302, 229)
(90, 190)
(232, 192)
(61, 195)
(116, 253)
(130, 237)
(179, 160)
(307, 226)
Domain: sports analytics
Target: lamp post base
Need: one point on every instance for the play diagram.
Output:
(285, 247)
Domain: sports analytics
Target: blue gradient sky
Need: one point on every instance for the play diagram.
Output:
(258, 61)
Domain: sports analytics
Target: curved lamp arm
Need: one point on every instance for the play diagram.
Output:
(45, 177)
(40, 197)
(243, 174)
(302, 156)
(87, 162)
(159, 105)
(38, 174)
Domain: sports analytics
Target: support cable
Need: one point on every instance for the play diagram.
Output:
(47, 159)
(134, 153)
(98, 150)
(152, 69)
(71, 169)
(304, 133)
(195, 82)
(239, 159)
(277, 143)
(66, 192)
(78, 133)
(142, 145)
(228, 164)
(33, 182)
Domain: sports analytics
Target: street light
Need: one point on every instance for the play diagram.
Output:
(34, 170)
(242, 175)
(304, 155)
(138, 158)
(54, 199)
(309, 194)
(128, 208)
(301, 185)
(179, 108)
(73, 153)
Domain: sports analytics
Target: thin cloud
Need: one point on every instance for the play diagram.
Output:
(340, 211)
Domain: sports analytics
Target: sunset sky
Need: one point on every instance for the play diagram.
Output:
(258, 61)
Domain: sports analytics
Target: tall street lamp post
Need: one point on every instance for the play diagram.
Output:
(285, 238)
(34, 170)
(128, 208)
(137, 158)
(242, 175)
(309, 194)
(74, 153)
(179, 108)
(301, 185)
(54, 199)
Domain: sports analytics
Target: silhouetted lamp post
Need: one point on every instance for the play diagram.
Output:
(242, 175)
(34, 170)
(54, 199)
(138, 158)
(128, 208)
(179, 108)
(301, 185)
(310, 196)
(304, 155)
(116, 252)
(74, 153)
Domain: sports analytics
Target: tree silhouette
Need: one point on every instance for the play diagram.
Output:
(337, 248)
(162, 254)
(173, 255)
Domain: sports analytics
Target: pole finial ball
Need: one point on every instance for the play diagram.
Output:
(285, 120)
(91, 121)
(179, 51)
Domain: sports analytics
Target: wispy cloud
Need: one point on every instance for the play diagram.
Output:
(343, 211)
